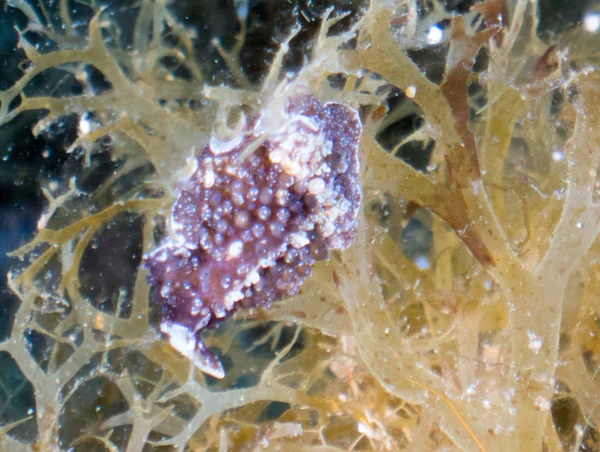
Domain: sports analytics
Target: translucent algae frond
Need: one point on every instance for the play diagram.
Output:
(457, 307)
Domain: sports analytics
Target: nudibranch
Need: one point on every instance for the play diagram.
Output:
(253, 217)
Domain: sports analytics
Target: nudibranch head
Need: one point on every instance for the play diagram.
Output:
(247, 227)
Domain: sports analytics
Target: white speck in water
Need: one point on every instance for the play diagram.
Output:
(84, 125)
(434, 35)
(591, 21)
(487, 404)
(411, 92)
(422, 263)
(535, 341)
(558, 155)
(542, 404)
(579, 225)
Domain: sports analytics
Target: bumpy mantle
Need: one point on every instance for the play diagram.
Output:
(245, 230)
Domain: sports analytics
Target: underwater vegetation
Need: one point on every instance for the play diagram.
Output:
(454, 261)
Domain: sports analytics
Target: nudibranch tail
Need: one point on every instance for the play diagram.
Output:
(192, 347)
(245, 232)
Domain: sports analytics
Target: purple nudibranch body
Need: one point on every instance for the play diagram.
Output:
(245, 230)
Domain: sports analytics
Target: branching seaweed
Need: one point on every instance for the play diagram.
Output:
(477, 332)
